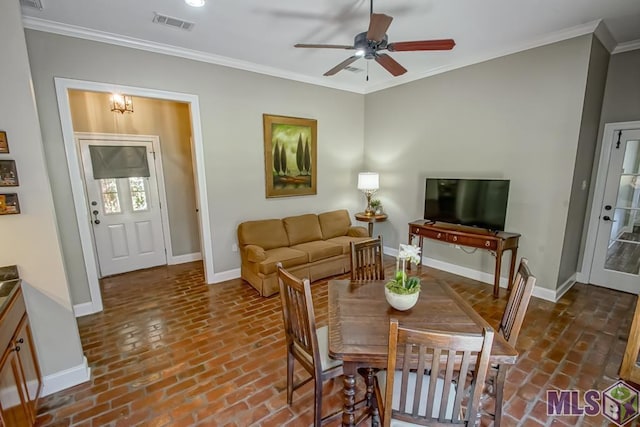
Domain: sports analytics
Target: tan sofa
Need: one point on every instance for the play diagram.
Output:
(311, 246)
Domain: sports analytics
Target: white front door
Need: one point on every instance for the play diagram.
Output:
(125, 209)
(616, 260)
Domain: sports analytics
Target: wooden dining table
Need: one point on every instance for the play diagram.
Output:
(359, 327)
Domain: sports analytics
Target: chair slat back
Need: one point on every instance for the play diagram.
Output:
(299, 319)
(518, 303)
(448, 357)
(366, 260)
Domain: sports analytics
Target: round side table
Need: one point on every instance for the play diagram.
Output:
(370, 219)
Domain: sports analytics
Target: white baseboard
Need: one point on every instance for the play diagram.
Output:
(84, 309)
(481, 276)
(568, 284)
(582, 277)
(226, 275)
(181, 259)
(68, 378)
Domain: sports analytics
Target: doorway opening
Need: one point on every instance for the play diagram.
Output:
(64, 90)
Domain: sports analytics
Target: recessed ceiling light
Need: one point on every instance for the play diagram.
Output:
(195, 3)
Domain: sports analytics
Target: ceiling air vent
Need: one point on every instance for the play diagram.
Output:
(354, 69)
(34, 4)
(170, 21)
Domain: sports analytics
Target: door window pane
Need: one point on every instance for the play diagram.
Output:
(631, 163)
(110, 161)
(138, 194)
(110, 197)
(623, 252)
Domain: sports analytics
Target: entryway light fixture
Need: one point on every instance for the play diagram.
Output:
(368, 183)
(121, 103)
(195, 3)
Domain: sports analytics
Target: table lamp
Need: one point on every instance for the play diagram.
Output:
(368, 183)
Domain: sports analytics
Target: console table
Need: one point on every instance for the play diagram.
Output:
(496, 242)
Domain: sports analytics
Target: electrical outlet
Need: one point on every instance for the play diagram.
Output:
(234, 248)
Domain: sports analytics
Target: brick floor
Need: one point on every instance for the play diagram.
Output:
(169, 350)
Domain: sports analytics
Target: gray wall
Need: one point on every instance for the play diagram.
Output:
(516, 117)
(31, 238)
(621, 103)
(231, 105)
(622, 95)
(574, 238)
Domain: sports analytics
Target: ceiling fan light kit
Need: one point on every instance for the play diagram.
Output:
(368, 44)
(195, 3)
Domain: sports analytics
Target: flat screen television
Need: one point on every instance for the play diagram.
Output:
(471, 202)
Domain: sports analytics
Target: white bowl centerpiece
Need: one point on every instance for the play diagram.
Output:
(403, 292)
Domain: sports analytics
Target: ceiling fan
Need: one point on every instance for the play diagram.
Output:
(369, 43)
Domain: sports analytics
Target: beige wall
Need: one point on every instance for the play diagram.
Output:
(577, 223)
(516, 117)
(622, 94)
(30, 239)
(231, 106)
(171, 122)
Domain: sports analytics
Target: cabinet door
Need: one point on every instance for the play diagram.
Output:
(630, 369)
(28, 364)
(14, 409)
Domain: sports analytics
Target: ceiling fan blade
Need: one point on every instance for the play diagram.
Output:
(390, 64)
(324, 46)
(341, 65)
(444, 44)
(378, 26)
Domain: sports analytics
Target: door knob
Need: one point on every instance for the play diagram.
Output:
(606, 218)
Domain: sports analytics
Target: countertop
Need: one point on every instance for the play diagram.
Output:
(9, 284)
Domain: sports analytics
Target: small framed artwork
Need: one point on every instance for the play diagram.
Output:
(4, 142)
(8, 173)
(9, 204)
(290, 147)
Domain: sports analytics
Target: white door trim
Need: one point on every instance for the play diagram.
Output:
(79, 199)
(598, 194)
(119, 138)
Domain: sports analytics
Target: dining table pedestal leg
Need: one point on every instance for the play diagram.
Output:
(349, 397)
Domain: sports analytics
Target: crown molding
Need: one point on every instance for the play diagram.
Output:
(627, 46)
(134, 43)
(603, 34)
(555, 37)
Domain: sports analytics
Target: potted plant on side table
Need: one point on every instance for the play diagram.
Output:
(402, 292)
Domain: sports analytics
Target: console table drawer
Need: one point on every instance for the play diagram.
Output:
(432, 234)
(475, 242)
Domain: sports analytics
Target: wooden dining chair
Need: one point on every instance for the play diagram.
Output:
(367, 264)
(306, 344)
(510, 325)
(366, 260)
(407, 394)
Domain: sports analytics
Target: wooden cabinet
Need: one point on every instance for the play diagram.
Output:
(495, 242)
(20, 378)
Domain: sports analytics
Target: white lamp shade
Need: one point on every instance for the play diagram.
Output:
(368, 181)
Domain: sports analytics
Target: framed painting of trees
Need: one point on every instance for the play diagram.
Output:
(290, 147)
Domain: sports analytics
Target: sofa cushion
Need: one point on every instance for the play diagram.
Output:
(302, 228)
(334, 223)
(287, 256)
(319, 249)
(268, 234)
(345, 242)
